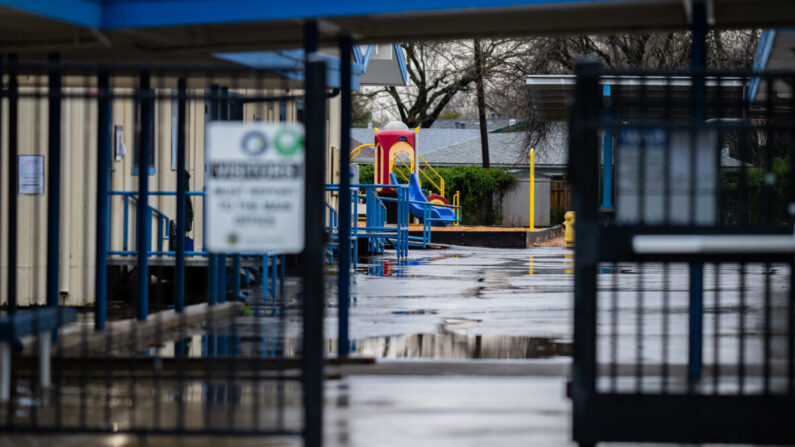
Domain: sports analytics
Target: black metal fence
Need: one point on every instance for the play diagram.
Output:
(684, 297)
(156, 335)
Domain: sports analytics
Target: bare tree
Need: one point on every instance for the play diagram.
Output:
(438, 72)
(443, 73)
(484, 137)
(557, 55)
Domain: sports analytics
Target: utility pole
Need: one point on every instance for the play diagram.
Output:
(484, 137)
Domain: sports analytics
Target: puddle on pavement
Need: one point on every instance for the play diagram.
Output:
(386, 267)
(244, 341)
(535, 265)
(460, 346)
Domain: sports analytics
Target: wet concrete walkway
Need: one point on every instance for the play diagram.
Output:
(473, 348)
(438, 323)
(452, 330)
(462, 303)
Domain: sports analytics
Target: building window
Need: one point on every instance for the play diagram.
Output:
(152, 138)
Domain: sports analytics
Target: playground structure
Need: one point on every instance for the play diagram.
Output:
(397, 151)
(396, 155)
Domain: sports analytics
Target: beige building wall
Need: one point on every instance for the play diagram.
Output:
(78, 186)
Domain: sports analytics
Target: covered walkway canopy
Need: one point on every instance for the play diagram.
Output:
(550, 95)
(183, 30)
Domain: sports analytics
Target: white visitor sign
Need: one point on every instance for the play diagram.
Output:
(255, 187)
(31, 174)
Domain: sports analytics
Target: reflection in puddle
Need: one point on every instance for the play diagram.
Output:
(384, 267)
(461, 346)
(415, 312)
(244, 343)
(541, 265)
(419, 346)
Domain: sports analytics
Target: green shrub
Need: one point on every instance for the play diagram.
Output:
(481, 191)
(365, 174)
(733, 200)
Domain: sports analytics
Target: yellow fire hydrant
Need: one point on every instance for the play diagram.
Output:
(568, 225)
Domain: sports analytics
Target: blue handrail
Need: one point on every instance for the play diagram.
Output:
(376, 229)
(273, 263)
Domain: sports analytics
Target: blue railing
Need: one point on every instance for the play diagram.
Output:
(271, 273)
(376, 229)
(163, 224)
(427, 221)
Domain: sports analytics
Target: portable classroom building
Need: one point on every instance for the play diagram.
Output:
(78, 180)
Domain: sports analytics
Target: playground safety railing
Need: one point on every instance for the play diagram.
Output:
(358, 150)
(427, 221)
(377, 230)
(333, 228)
(405, 165)
(440, 185)
(401, 241)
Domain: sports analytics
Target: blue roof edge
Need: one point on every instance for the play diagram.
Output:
(290, 63)
(126, 14)
(763, 49)
(77, 12)
(401, 63)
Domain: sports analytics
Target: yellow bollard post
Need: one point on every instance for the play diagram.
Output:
(568, 225)
(532, 190)
(457, 202)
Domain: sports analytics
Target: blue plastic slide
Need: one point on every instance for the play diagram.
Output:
(446, 215)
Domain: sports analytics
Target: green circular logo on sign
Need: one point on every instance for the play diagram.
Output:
(288, 141)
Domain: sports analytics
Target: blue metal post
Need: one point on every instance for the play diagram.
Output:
(103, 198)
(212, 288)
(126, 229)
(179, 268)
(236, 277)
(13, 166)
(143, 227)
(274, 275)
(159, 234)
(607, 151)
(221, 281)
(265, 276)
(282, 258)
(54, 187)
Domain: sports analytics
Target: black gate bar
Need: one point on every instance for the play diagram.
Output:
(313, 259)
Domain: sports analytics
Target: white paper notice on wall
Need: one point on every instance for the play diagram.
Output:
(121, 149)
(31, 174)
(255, 187)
